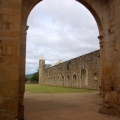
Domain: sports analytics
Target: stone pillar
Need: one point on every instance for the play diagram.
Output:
(22, 71)
(10, 21)
(101, 63)
(41, 70)
(111, 71)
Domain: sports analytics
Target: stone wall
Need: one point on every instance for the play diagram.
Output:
(80, 72)
(13, 26)
(10, 29)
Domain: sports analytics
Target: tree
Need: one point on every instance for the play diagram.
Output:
(35, 77)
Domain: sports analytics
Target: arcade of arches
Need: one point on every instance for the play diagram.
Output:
(83, 72)
(13, 19)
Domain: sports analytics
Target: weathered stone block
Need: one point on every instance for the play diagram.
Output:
(107, 82)
(117, 112)
(10, 105)
(12, 88)
(107, 87)
(108, 111)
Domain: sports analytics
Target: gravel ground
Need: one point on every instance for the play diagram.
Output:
(67, 106)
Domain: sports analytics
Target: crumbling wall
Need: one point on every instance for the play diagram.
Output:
(58, 74)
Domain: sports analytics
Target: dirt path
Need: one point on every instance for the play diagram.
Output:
(67, 106)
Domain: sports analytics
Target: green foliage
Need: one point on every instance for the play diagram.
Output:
(35, 77)
(27, 79)
(35, 88)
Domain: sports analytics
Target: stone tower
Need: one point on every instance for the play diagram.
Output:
(41, 70)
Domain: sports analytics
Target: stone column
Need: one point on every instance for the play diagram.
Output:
(41, 70)
(22, 71)
(101, 63)
(10, 21)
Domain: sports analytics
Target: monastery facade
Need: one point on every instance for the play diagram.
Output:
(80, 72)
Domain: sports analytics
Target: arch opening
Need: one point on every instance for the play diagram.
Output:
(68, 81)
(63, 79)
(75, 81)
(68, 66)
(84, 78)
(38, 49)
(95, 76)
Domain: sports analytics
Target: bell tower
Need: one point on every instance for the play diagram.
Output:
(41, 70)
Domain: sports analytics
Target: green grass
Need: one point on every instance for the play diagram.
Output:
(36, 88)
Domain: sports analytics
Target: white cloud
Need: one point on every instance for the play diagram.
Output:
(61, 29)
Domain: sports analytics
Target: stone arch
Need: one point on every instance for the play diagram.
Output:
(63, 80)
(95, 76)
(54, 81)
(83, 78)
(58, 80)
(51, 81)
(68, 76)
(74, 80)
(109, 51)
(87, 3)
(48, 80)
(68, 65)
(95, 81)
(67, 80)
(29, 5)
(93, 8)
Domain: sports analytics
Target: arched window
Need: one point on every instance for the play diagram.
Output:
(68, 66)
(62, 80)
(68, 77)
(95, 77)
(74, 76)
(84, 77)
(74, 82)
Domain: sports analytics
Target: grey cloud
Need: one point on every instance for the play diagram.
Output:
(59, 30)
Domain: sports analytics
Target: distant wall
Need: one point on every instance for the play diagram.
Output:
(80, 72)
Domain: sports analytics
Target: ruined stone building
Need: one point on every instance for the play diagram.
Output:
(13, 27)
(80, 72)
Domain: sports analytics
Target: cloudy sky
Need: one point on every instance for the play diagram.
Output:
(59, 30)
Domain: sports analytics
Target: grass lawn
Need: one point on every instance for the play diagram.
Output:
(36, 88)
